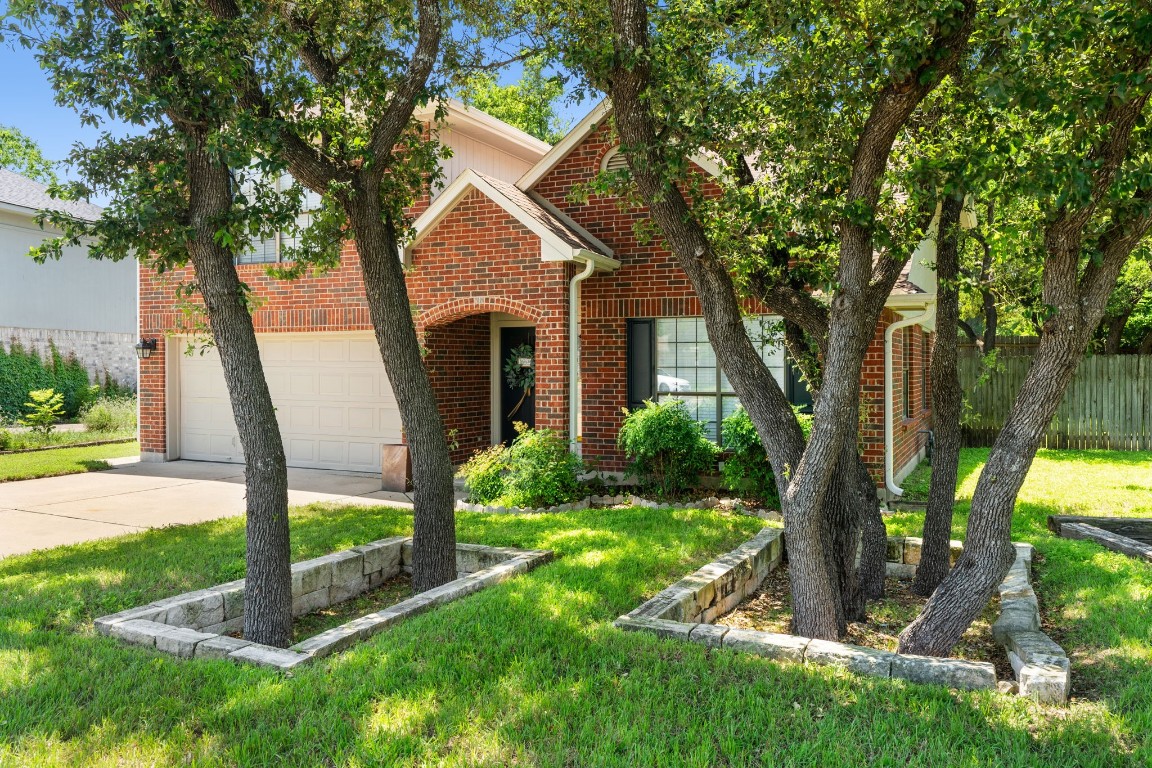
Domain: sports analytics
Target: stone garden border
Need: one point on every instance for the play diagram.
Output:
(687, 609)
(589, 503)
(1130, 536)
(196, 624)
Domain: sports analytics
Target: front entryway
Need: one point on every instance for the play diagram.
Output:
(516, 402)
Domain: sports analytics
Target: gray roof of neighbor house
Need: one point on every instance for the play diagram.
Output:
(22, 192)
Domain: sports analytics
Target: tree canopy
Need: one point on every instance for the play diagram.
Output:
(529, 104)
(21, 154)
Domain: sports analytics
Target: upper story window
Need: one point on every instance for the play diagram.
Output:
(274, 249)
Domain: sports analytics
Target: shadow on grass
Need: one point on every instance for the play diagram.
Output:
(528, 672)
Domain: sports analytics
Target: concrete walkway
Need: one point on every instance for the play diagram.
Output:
(38, 514)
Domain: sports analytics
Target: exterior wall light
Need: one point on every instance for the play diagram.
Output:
(145, 348)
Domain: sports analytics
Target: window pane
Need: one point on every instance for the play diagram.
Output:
(702, 408)
(685, 354)
(706, 379)
(686, 329)
(261, 252)
(666, 330)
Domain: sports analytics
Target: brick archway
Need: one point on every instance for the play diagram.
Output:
(456, 309)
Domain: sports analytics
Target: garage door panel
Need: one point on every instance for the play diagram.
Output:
(301, 450)
(303, 384)
(304, 351)
(363, 351)
(333, 351)
(333, 384)
(333, 402)
(301, 417)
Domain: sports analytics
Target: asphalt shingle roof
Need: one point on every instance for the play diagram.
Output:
(26, 193)
(526, 203)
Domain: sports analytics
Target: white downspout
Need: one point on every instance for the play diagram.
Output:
(574, 356)
(889, 417)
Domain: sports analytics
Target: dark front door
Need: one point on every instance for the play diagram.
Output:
(514, 404)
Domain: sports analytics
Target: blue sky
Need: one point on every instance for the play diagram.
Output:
(29, 105)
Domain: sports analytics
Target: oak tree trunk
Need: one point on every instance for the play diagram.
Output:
(947, 405)
(433, 495)
(1115, 328)
(988, 551)
(268, 581)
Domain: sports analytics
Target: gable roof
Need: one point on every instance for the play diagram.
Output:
(23, 195)
(576, 136)
(561, 239)
(486, 128)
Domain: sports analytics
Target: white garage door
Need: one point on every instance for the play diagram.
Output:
(333, 402)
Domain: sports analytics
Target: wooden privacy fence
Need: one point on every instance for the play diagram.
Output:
(1108, 404)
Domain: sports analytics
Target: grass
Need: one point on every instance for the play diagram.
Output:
(531, 672)
(395, 590)
(62, 461)
(19, 441)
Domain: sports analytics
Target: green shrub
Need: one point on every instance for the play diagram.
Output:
(747, 469)
(110, 414)
(668, 448)
(542, 472)
(536, 471)
(22, 371)
(484, 474)
(45, 407)
(5, 440)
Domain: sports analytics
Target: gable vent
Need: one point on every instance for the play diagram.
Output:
(614, 160)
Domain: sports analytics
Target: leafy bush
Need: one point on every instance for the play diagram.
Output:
(536, 471)
(110, 414)
(5, 439)
(747, 468)
(45, 407)
(22, 371)
(542, 472)
(484, 474)
(668, 448)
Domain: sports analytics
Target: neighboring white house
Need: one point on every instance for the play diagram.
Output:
(84, 306)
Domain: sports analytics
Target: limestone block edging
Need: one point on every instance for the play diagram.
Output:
(196, 624)
(687, 609)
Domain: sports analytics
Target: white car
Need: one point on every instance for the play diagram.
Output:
(666, 383)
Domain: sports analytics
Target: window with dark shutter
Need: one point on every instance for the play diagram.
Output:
(641, 362)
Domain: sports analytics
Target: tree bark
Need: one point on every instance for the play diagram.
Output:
(1078, 298)
(268, 581)
(857, 491)
(1115, 335)
(804, 485)
(947, 405)
(375, 224)
(433, 495)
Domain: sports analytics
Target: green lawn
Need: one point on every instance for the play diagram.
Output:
(531, 672)
(62, 461)
(19, 441)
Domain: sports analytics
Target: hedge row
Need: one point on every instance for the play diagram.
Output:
(22, 371)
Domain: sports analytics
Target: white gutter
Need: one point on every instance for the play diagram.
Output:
(574, 354)
(889, 417)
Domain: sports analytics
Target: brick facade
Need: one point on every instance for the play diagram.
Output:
(479, 260)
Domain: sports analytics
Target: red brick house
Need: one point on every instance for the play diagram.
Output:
(501, 258)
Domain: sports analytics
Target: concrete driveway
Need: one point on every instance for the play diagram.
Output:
(37, 514)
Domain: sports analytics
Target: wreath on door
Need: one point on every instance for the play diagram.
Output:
(520, 373)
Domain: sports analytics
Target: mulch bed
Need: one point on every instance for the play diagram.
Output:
(769, 609)
(395, 590)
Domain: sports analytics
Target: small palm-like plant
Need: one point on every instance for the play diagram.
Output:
(46, 406)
